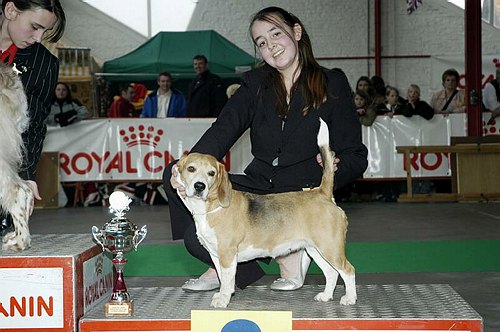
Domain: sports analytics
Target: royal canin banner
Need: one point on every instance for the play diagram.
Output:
(139, 149)
(131, 149)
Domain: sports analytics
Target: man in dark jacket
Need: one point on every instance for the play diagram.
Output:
(206, 95)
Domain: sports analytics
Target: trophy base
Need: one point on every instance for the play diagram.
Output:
(123, 309)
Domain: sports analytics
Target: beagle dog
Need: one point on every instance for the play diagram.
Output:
(236, 226)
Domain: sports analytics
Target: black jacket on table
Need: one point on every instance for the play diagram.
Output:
(206, 96)
(285, 159)
(421, 108)
(39, 73)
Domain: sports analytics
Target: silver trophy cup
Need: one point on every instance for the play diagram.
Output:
(119, 236)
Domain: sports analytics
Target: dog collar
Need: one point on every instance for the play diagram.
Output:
(205, 213)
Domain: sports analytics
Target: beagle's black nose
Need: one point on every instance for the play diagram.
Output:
(199, 186)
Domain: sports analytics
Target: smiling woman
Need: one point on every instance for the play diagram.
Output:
(23, 25)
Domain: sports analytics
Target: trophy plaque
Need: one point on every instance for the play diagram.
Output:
(119, 236)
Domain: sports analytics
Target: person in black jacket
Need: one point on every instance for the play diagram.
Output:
(206, 95)
(23, 25)
(280, 102)
(415, 106)
(65, 110)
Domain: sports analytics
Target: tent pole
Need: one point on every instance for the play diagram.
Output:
(149, 18)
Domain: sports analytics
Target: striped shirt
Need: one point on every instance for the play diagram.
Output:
(39, 74)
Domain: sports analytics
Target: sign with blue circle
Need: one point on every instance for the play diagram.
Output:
(241, 325)
(240, 321)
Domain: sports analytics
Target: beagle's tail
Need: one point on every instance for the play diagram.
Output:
(327, 180)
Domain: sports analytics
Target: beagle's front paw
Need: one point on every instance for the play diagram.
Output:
(347, 300)
(323, 297)
(220, 300)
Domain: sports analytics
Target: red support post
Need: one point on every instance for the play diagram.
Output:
(473, 70)
(378, 66)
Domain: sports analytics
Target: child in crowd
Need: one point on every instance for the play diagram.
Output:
(392, 105)
(416, 106)
(364, 108)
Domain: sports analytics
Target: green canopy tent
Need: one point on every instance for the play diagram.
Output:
(173, 52)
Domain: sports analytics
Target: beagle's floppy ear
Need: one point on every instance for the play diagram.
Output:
(181, 162)
(223, 186)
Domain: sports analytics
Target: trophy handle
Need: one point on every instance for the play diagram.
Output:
(96, 232)
(139, 236)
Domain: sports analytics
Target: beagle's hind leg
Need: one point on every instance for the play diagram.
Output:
(349, 277)
(331, 275)
(332, 267)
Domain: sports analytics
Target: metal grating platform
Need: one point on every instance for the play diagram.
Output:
(57, 245)
(408, 302)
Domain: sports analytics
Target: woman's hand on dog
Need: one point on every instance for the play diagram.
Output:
(175, 184)
(336, 160)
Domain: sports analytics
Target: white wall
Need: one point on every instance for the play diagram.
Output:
(106, 37)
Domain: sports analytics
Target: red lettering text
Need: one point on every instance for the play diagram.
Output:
(418, 160)
(26, 306)
(128, 163)
(84, 157)
(147, 162)
(115, 163)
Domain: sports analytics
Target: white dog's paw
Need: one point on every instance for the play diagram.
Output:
(220, 300)
(323, 297)
(13, 242)
(348, 300)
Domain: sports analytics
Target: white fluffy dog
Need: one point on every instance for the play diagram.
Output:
(16, 197)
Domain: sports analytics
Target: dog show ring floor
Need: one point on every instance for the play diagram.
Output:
(420, 266)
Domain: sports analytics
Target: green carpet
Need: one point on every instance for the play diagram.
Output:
(367, 257)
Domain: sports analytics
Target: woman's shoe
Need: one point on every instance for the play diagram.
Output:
(282, 284)
(201, 284)
(302, 265)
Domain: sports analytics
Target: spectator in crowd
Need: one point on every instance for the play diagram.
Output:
(231, 90)
(365, 84)
(392, 106)
(122, 106)
(23, 25)
(379, 90)
(280, 102)
(364, 108)
(415, 106)
(165, 102)
(206, 95)
(65, 110)
(491, 96)
(449, 99)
